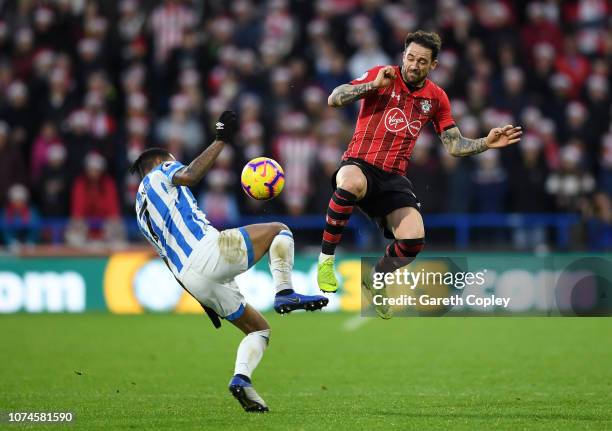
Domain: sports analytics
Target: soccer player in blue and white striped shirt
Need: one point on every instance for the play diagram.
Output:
(205, 261)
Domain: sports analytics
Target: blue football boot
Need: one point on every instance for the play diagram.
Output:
(284, 304)
(246, 395)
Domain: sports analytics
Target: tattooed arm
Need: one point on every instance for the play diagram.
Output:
(348, 93)
(459, 146)
(498, 137)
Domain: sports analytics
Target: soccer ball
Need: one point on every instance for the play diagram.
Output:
(262, 178)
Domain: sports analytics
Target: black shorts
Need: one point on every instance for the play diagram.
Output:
(385, 193)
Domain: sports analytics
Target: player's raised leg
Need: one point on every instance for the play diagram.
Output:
(250, 352)
(407, 227)
(277, 239)
(351, 186)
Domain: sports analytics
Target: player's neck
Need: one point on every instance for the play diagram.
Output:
(413, 87)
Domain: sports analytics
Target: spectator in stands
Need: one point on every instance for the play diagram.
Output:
(20, 117)
(131, 22)
(47, 137)
(490, 183)
(573, 64)
(456, 182)
(180, 125)
(280, 98)
(539, 77)
(598, 104)
(369, 53)
(58, 103)
(135, 144)
(19, 218)
(423, 173)
(218, 202)
(251, 138)
(12, 167)
(540, 29)
(248, 27)
(54, 183)
(579, 128)
(23, 56)
(513, 96)
(605, 178)
(569, 184)
(79, 141)
(296, 150)
(597, 213)
(328, 155)
(168, 22)
(333, 73)
(528, 191)
(94, 205)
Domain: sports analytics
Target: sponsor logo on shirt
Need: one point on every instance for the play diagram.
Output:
(396, 121)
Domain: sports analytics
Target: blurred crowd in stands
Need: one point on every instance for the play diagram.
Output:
(86, 85)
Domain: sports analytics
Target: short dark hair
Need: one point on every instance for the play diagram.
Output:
(427, 39)
(145, 161)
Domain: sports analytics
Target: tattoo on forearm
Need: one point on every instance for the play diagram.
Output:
(347, 93)
(458, 145)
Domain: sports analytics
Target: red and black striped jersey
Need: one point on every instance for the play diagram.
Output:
(391, 119)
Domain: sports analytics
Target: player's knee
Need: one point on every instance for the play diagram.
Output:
(409, 229)
(354, 185)
(263, 333)
(278, 227)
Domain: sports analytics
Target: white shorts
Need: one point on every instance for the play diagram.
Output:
(211, 268)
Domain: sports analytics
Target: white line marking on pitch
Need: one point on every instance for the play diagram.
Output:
(355, 322)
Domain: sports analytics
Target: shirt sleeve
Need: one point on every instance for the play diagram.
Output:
(169, 169)
(369, 76)
(443, 118)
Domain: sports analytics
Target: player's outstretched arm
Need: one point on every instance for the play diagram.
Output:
(348, 93)
(191, 174)
(499, 137)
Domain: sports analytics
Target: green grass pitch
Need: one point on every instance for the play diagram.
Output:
(321, 371)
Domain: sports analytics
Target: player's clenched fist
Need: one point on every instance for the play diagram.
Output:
(226, 126)
(385, 77)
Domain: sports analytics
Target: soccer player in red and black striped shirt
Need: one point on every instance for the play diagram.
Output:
(397, 103)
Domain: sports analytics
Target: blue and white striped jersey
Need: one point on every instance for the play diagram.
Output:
(169, 217)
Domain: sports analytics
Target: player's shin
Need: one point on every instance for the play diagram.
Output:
(400, 253)
(281, 261)
(338, 214)
(250, 352)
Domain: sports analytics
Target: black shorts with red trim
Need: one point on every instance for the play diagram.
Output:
(386, 192)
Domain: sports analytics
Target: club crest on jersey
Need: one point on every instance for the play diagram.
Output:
(425, 106)
(396, 121)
